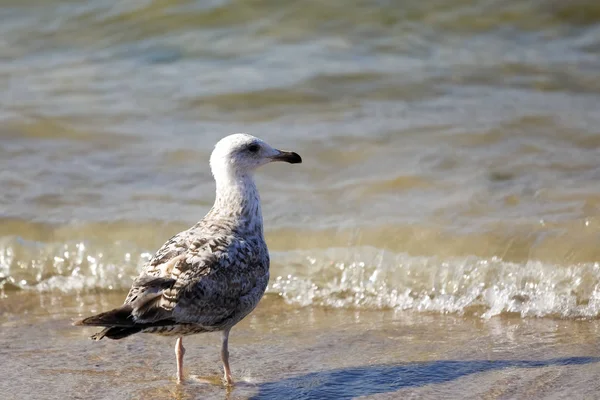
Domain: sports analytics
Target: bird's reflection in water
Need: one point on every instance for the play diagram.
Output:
(200, 387)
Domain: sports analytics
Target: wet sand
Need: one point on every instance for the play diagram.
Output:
(281, 352)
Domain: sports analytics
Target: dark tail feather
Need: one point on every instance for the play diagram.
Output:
(119, 317)
(119, 323)
(115, 333)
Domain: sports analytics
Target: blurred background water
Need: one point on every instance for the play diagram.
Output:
(451, 147)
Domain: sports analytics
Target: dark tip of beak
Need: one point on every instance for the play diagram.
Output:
(289, 156)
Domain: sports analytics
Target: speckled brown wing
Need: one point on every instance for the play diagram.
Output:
(231, 288)
(212, 281)
(159, 265)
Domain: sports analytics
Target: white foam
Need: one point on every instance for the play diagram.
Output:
(484, 287)
(357, 277)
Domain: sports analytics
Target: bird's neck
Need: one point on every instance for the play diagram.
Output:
(237, 199)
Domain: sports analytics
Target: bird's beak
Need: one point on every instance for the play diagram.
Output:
(287, 156)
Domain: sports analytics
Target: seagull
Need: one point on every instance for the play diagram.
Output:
(211, 276)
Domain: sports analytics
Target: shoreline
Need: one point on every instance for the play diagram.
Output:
(285, 352)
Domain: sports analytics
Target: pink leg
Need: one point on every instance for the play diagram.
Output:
(225, 357)
(179, 352)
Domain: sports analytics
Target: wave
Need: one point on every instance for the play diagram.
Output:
(379, 279)
(362, 277)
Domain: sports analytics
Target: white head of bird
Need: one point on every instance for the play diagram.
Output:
(238, 155)
(232, 163)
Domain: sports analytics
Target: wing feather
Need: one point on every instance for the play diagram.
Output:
(197, 278)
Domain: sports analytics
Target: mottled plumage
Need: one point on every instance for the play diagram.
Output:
(209, 277)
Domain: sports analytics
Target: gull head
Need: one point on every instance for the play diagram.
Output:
(240, 154)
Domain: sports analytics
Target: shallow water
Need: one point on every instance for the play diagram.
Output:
(282, 352)
(450, 176)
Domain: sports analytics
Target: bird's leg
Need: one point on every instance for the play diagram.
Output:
(225, 357)
(179, 352)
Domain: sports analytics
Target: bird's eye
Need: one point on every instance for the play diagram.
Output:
(253, 148)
